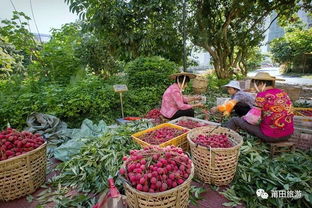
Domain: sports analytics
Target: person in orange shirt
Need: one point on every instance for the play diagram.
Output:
(241, 102)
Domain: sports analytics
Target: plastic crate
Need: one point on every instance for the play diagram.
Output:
(301, 120)
(179, 141)
(221, 100)
(183, 118)
(302, 138)
(298, 113)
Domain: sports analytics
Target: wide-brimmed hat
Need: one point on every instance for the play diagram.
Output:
(265, 76)
(234, 84)
(190, 75)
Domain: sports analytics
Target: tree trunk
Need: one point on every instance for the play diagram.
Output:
(222, 70)
(223, 65)
(221, 61)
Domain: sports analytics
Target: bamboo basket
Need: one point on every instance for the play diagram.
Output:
(215, 166)
(179, 141)
(22, 175)
(199, 85)
(293, 93)
(177, 197)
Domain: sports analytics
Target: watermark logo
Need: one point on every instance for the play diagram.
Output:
(282, 194)
(286, 194)
(261, 193)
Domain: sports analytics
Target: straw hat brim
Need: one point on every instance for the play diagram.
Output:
(190, 75)
(266, 78)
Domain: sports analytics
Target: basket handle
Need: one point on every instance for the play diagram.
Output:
(210, 159)
(216, 127)
(209, 148)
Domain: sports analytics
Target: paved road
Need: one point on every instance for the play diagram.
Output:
(274, 71)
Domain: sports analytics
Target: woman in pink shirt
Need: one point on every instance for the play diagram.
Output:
(174, 104)
(276, 112)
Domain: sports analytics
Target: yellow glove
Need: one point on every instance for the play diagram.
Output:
(227, 107)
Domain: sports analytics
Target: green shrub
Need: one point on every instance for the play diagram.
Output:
(254, 59)
(11, 62)
(88, 97)
(22, 42)
(150, 72)
(139, 101)
(57, 61)
(17, 100)
(93, 53)
(214, 83)
(290, 49)
(92, 98)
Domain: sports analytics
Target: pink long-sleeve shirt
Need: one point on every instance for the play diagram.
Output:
(172, 101)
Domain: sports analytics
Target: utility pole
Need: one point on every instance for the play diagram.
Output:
(184, 35)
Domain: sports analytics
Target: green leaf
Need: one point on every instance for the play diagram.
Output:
(230, 204)
(29, 198)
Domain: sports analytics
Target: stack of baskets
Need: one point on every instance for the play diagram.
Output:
(177, 197)
(22, 175)
(302, 136)
(215, 166)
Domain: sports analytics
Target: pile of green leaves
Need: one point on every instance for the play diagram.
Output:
(89, 170)
(196, 194)
(84, 176)
(61, 197)
(256, 170)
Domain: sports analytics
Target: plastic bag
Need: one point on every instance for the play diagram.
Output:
(80, 137)
(112, 198)
(253, 116)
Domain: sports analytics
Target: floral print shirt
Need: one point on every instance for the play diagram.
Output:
(277, 113)
(172, 101)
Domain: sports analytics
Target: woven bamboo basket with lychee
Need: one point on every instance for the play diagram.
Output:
(22, 163)
(215, 152)
(157, 177)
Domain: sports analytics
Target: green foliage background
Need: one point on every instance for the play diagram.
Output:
(289, 49)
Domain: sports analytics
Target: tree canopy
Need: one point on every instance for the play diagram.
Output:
(134, 28)
(227, 29)
(290, 50)
(230, 29)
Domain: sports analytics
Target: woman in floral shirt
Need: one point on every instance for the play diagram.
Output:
(174, 104)
(276, 112)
